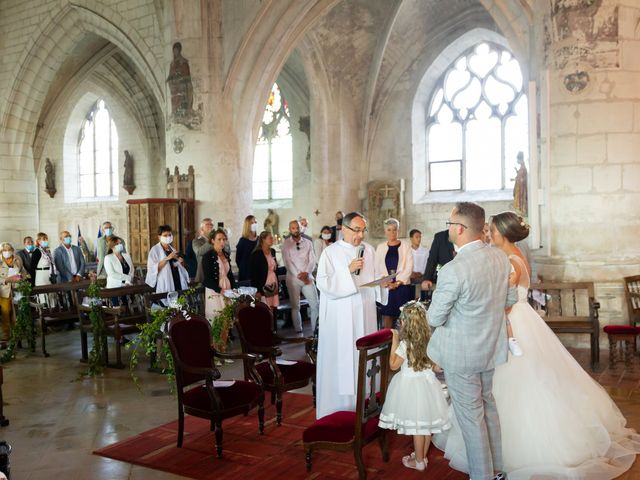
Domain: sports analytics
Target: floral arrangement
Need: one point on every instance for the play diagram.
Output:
(24, 328)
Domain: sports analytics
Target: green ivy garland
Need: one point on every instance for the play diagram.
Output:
(24, 328)
(221, 324)
(147, 342)
(98, 354)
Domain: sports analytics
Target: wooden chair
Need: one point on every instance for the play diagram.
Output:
(4, 421)
(624, 336)
(571, 308)
(254, 322)
(196, 375)
(353, 430)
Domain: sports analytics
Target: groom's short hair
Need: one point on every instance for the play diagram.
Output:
(473, 215)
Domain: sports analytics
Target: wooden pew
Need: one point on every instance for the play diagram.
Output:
(54, 305)
(123, 308)
(571, 308)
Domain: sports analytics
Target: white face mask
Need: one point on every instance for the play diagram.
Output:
(7, 254)
(303, 229)
(119, 248)
(254, 227)
(166, 240)
(326, 236)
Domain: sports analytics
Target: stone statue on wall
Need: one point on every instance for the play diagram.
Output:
(181, 89)
(520, 192)
(271, 223)
(304, 125)
(50, 178)
(127, 182)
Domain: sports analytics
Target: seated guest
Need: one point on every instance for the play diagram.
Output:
(165, 269)
(420, 255)
(102, 247)
(26, 255)
(11, 271)
(201, 245)
(323, 241)
(394, 256)
(245, 246)
(118, 264)
(217, 275)
(68, 260)
(262, 266)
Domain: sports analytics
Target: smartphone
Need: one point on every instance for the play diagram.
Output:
(220, 224)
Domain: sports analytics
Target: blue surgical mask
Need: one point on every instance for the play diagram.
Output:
(29, 248)
(119, 248)
(44, 243)
(108, 232)
(67, 240)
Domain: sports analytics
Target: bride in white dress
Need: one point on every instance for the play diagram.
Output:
(556, 421)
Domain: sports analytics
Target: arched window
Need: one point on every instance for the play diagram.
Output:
(477, 122)
(273, 158)
(98, 155)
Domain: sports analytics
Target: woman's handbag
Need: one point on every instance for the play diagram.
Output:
(270, 290)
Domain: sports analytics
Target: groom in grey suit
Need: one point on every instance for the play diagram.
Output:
(470, 337)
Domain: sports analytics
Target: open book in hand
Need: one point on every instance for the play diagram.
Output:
(380, 281)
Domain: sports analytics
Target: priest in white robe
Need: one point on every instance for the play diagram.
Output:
(165, 269)
(347, 312)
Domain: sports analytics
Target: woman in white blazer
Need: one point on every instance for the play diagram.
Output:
(394, 256)
(118, 264)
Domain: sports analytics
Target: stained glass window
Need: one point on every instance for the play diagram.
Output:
(98, 154)
(273, 158)
(477, 122)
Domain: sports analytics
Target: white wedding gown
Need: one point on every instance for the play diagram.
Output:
(556, 421)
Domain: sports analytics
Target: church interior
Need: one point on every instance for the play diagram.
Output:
(284, 109)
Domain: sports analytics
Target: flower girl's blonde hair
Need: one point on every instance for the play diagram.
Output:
(415, 332)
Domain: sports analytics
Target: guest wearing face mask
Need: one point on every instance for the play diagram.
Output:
(42, 260)
(11, 271)
(118, 264)
(336, 230)
(323, 241)
(68, 260)
(304, 227)
(103, 246)
(245, 246)
(26, 255)
(165, 269)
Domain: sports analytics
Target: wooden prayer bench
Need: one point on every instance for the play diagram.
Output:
(570, 308)
(284, 308)
(55, 305)
(122, 310)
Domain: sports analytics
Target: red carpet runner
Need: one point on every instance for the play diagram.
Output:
(275, 455)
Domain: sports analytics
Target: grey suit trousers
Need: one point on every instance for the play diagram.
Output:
(475, 408)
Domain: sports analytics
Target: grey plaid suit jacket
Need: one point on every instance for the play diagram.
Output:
(467, 310)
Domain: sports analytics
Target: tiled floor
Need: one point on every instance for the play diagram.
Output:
(57, 420)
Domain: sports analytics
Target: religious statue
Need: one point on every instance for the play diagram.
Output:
(271, 223)
(50, 178)
(181, 88)
(127, 182)
(520, 196)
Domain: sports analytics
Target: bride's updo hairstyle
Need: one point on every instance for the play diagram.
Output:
(511, 226)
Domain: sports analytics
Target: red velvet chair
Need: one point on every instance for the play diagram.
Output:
(626, 335)
(254, 322)
(353, 430)
(190, 343)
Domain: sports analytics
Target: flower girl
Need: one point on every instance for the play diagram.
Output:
(415, 403)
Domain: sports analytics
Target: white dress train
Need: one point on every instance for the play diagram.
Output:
(556, 421)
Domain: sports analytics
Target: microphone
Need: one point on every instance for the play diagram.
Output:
(360, 254)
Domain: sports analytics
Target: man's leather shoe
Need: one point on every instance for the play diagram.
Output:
(500, 476)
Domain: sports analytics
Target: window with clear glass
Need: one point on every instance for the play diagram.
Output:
(98, 155)
(477, 122)
(273, 158)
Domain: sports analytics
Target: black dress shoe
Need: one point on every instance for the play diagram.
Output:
(500, 476)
